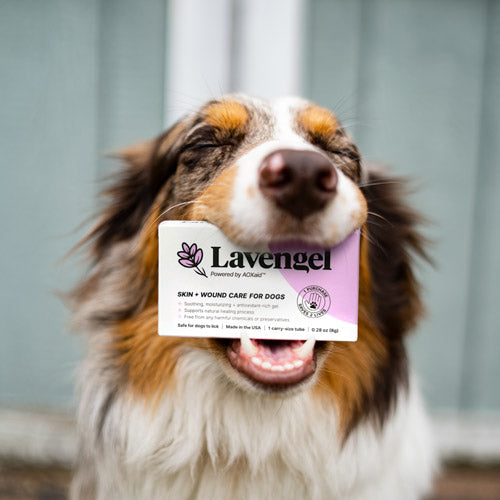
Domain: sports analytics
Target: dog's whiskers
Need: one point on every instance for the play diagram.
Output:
(177, 205)
(154, 221)
(365, 234)
(380, 217)
(379, 183)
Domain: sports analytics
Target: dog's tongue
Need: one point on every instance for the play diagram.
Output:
(273, 361)
(342, 278)
(277, 352)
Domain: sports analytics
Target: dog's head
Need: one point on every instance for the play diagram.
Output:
(261, 171)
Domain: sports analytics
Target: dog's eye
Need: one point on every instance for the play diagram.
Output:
(346, 154)
(330, 146)
(327, 144)
(206, 138)
(197, 146)
(204, 144)
(345, 158)
(198, 152)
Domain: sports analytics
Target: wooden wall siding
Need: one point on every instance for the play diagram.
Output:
(47, 59)
(418, 81)
(481, 354)
(131, 62)
(78, 78)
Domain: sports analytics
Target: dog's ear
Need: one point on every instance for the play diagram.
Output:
(147, 168)
(394, 241)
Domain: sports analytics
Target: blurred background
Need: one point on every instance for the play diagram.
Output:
(417, 83)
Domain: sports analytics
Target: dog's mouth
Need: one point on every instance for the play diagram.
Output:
(273, 364)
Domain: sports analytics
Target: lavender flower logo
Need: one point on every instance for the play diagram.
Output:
(191, 256)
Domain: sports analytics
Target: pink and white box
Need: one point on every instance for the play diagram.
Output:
(210, 287)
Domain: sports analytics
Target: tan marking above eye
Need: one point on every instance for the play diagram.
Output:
(318, 122)
(227, 115)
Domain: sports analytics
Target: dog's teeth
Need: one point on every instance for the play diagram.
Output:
(266, 365)
(256, 361)
(298, 363)
(247, 346)
(277, 368)
(288, 366)
(305, 350)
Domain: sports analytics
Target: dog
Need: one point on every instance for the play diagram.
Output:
(184, 418)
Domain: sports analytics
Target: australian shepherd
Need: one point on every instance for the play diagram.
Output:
(195, 418)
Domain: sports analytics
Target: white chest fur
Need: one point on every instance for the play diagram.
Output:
(212, 440)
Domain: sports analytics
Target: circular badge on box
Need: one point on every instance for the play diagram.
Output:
(313, 301)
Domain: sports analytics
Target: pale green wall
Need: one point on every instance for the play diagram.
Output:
(48, 149)
(78, 78)
(418, 83)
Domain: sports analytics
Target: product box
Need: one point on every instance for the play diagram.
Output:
(210, 287)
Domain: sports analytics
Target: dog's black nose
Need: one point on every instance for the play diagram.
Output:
(300, 182)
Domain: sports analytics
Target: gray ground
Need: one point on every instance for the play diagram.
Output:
(458, 482)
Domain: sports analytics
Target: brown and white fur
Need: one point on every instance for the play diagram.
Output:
(182, 418)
